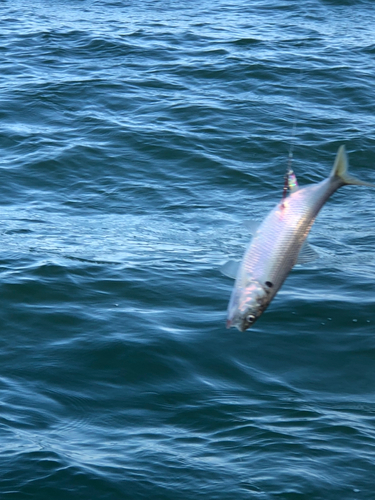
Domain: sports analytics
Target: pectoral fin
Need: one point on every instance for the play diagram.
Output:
(307, 254)
(230, 268)
(251, 226)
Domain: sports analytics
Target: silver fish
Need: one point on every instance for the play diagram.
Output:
(277, 244)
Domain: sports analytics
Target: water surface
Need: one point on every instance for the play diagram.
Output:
(136, 138)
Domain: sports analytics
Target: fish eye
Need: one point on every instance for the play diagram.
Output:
(250, 318)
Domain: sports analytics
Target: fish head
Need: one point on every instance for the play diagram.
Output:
(246, 305)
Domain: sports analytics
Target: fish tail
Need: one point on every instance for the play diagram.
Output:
(341, 170)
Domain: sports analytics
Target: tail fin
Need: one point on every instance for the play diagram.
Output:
(341, 168)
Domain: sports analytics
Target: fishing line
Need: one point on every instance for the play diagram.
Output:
(289, 171)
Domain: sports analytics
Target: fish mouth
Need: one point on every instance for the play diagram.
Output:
(235, 324)
(240, 327)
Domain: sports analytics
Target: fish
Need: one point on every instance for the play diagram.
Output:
(279, 243)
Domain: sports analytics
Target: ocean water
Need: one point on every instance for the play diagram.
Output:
(136, 138)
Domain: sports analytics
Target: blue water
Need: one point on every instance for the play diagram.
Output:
(136, 138)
